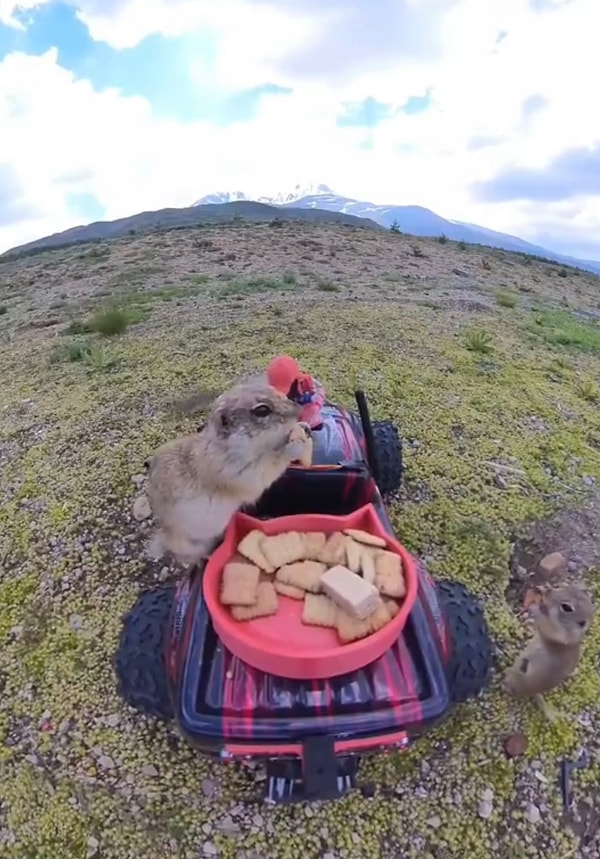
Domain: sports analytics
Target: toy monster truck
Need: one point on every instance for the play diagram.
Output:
(310, 734)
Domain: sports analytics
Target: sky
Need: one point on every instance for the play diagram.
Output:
(484, 111)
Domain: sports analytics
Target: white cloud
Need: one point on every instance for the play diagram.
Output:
(112, 146)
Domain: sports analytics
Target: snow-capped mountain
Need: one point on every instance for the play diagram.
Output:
(414, 220)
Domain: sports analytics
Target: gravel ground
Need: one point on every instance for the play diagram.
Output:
(500, 434)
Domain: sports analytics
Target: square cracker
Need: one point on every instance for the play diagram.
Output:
(319, 610)
(267, 604)
(314, 543)
(251, 547)
(239, 583)
(351, 629)
(365, 538)
(389, 577)
(302, 574)
(283, 548)
(353, 555)
(289, 590)
(334, 550)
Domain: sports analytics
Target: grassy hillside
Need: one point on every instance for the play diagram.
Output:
(489, 363)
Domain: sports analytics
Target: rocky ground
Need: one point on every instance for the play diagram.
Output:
(490, 365)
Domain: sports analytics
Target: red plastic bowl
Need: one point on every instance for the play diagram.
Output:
(281, 644)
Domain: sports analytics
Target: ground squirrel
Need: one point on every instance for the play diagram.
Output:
(197, 482)
(562, 619)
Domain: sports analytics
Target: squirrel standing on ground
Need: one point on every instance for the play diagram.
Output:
(197, 482)
(562, 618)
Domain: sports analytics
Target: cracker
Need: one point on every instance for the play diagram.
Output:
(351, 629)
(392, 607)
(239, 583)
(365, 537)
(283, 548)
(299, 433)
(367, 567)
(319, 610)
(389, 578)
(267, 604)
(289, 590)
(334, 550)
(302, 574)
(314, 543)
(251, 547)
(353, 555)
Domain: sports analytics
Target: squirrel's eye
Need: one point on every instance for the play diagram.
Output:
(262, 410)
(566, 606)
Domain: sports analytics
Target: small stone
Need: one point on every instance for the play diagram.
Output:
(93, 845)
(532, 813)
(540, 776)
(149, 770)
(488, 795)
(209, 849)
(515, 745)
(163, 575)
(141, 509)
(138, 479)
(485, 809)
(75, 622)
(113, 720)
(553, 565)
(31, 759)
(210, 787)
(435, 822)
(105, 762)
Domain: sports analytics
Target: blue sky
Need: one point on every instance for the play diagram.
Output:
(109, 107)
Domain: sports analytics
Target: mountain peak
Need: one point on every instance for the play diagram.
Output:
(298, 192)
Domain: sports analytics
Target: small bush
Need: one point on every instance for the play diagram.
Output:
(289, 277)
(504, 298)
(417, 251)
(486, 264)
(3, 309)
(589, 391)
(443, 239)
(110, 322)
(462, 245)
(479, 341)
(563, 272)
(327, 286)
(395, 227)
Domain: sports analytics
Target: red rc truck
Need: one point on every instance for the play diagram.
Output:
(171, 664)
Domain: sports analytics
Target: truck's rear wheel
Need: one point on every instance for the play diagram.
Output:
(388, 454)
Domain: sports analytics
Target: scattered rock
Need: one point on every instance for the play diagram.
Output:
(149, 770)
(105, 762)
(515, 745)
(93, 844)
(75, 622)
(209, 849)
(138, 479)
(553, 565)
(435, 822)
(488, 795)
(210, 787)
(113, 720)
(141, 508)
(532, 813)
(485, 809)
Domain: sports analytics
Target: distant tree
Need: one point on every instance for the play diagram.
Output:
(395, 227)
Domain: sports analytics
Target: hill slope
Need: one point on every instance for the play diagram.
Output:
(198, 215)
(415, 220)
(500, 431)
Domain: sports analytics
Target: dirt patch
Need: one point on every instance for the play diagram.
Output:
(574, 532)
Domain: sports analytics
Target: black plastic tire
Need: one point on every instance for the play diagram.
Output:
(139, 662)
(388, 454)
(470, 661)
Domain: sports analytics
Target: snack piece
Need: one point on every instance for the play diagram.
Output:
(314, 543)
(353, 555)
(289, 590)
(351, 593)
(266, 604)
(367, 566)
(334, 550)
(303, 574)
(319, 610)
(389, 578)
(283, 548)
(251, 547)
(365, 537)
(239, 584)
(392, 607)
(351, 628)
(299, 433)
